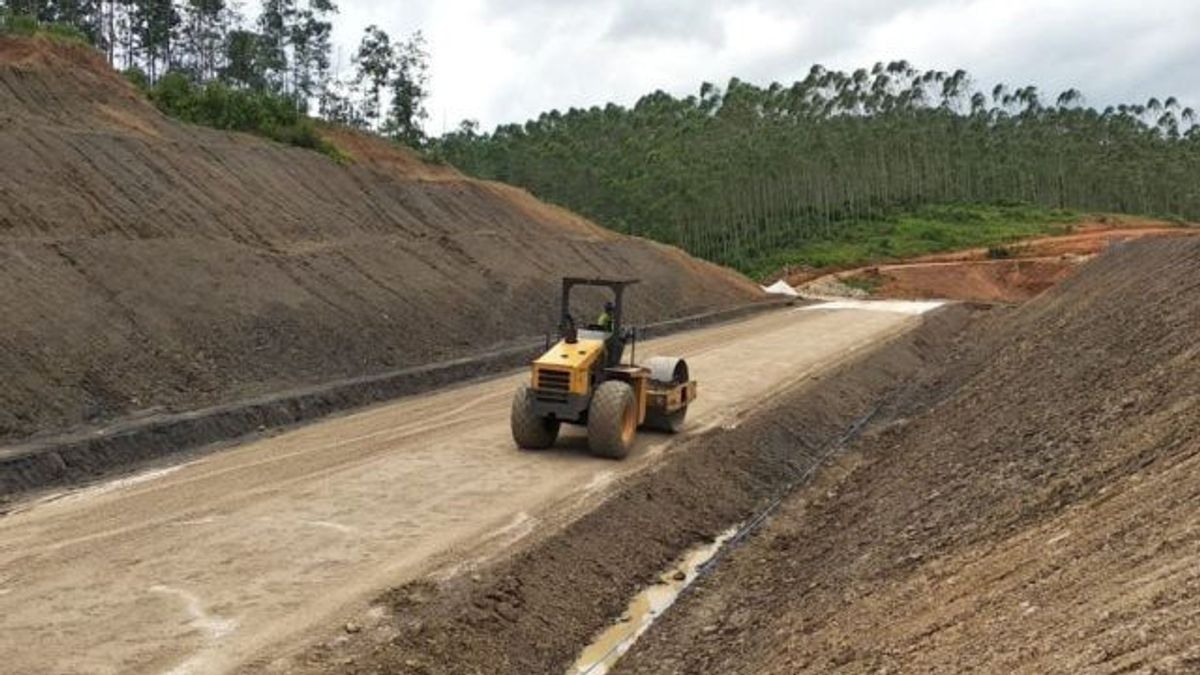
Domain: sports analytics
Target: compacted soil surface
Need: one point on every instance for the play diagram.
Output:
(237, 557)
(1035, 511)
(533, 609)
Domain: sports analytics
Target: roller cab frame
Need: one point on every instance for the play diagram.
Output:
(581, 380)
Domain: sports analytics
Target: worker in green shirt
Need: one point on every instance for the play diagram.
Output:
(605, 320)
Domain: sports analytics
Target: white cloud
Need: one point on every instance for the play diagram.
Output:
(504, 61)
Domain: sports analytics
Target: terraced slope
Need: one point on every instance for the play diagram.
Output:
(147, 265)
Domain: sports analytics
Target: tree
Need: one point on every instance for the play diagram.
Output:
(203, 27)
(311, 48)
(374, 63)
(409, 81)
(399, 70)
(739, 173)
(275, 29)
(246, 60)
(154, 23)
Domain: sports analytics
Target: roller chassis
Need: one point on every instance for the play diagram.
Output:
(581, 380)
(662, 398)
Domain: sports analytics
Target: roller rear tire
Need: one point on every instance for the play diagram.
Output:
(529, 430)
(612, 420)
(670, 423)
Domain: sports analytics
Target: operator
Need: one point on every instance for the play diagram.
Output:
(605, 321)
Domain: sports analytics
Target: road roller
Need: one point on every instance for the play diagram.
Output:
(583, 379)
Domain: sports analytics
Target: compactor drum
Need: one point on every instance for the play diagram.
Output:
(580, 380)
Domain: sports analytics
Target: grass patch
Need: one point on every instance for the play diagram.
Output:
(867, 284)
(921, 231)
(24, 25)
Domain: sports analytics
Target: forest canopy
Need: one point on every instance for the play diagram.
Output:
(738, 175)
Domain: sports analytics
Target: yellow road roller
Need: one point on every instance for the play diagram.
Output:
(581, 380)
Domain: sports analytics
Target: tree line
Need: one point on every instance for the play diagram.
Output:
(735, 175)
(282, 56)
(739, 174)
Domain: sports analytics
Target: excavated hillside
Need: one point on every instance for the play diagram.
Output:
(148, 265)
(1035, 511)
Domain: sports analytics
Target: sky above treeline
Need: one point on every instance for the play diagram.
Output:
(500, 61)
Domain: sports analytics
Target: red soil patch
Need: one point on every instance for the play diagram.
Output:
(1085, 239)
(389, 157)
(1034, 265)
(984, 280)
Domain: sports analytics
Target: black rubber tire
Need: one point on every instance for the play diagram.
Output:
(612, 420)
(529, 430)
(672, 423)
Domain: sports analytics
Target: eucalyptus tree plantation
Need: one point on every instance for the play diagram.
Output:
(734, 174)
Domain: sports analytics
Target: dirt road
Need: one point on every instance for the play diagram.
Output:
(205, 566)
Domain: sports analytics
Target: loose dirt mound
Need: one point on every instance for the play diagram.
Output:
(1036, 514)
(147, 265)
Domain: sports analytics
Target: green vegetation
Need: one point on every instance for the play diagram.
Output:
(838, 168)
(818, 170)
(203, 62)
(907, 234)
(28, 26)
(219, 106)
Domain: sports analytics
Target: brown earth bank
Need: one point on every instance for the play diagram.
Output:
(1036, 513)
(1010, 281)
(1086, 238)
(533, 611)
(148, 266)
(1012, 273)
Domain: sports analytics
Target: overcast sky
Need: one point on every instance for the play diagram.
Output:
(500, 61)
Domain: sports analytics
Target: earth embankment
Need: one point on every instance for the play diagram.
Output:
(150, 267)
(1034, 511)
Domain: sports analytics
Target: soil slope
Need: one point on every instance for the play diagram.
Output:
(147, 265)
(1037, 513)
